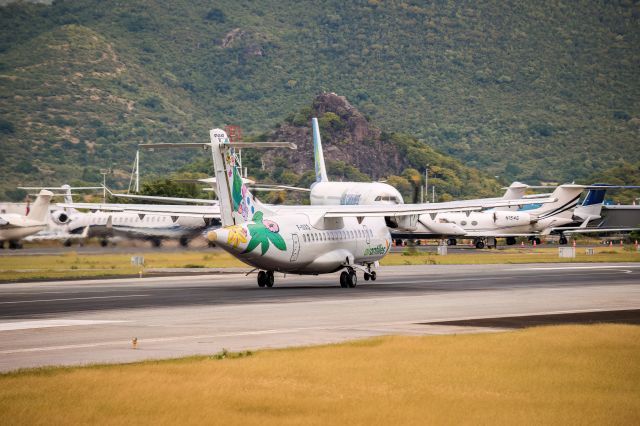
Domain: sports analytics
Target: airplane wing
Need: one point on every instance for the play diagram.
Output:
(166, 199)
(593, 230)
(381, 210)
(208, 211)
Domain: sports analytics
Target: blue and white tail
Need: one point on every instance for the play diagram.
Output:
(321, 171)
(237, 203)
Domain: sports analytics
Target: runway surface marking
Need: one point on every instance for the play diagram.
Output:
(26, 325)
(562, 268)
(72, 298)
(363, 326)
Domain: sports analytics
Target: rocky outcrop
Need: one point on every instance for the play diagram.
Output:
(347, 137)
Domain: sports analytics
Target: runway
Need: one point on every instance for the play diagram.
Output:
(94, 321)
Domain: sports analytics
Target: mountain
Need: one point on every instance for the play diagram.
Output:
(525, 90)
(355, 149)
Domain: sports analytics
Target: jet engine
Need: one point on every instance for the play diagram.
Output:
(507, 218)
(60, 217)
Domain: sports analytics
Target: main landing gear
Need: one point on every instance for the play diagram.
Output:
(348, 278)
(563, 240)
(265, 279)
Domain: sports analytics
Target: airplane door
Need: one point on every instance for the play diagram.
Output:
(295, 248)
(366, 234)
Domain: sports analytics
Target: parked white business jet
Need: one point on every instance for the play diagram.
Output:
(106, 221)
(14, 227)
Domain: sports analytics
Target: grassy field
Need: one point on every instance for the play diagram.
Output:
(74, 265)
(548, 375)
(70, 265)
(514, 255)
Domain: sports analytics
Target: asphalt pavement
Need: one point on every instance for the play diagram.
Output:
(95, 321)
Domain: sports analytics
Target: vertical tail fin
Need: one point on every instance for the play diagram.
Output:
(567, 199)
(237, 203)
(321, 171)
(40, 208)
(515, 191)
(67, 194)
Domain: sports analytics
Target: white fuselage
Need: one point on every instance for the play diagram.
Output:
(353, 193)
(15, 227)
(130, 225)
(305, 248)
(502, 223)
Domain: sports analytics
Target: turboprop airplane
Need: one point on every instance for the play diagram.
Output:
(14, 227)
(301, 239)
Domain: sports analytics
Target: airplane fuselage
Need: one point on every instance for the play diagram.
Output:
(130, 225)
(15, 227)
(295, 243)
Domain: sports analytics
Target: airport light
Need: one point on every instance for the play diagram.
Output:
(104, 173)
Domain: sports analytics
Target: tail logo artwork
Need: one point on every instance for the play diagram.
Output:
(262, 233)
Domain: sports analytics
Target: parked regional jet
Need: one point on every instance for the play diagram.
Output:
(14, 227)
(105, 221)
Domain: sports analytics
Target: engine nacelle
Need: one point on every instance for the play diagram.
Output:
(507, 218)
(402, 223)
(60, 217)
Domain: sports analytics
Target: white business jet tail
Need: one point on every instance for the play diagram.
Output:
(40, 208)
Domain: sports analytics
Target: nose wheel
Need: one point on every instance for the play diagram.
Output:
(265, 279)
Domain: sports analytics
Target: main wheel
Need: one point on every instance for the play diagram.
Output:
(156, 242)
(373, 275)
(538, 241)
(270, 279)
(184, 241)
(366, 276)
(452, 242)
(262, 278)
(480, 244)
(344, 276)
(563, 240)
(352, 281)
(511, 241)
(103, 243)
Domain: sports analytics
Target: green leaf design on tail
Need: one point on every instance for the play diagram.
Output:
(236, 190)
(261, 236)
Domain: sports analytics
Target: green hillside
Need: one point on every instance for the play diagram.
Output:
(524, 90)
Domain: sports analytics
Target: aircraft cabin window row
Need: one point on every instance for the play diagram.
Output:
(336, 235)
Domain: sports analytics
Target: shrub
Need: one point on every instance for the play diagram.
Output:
(6, 126)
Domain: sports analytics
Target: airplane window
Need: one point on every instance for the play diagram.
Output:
(474, 223)
(378, 198)
(351, 233)
(304, 238)
(463, 223)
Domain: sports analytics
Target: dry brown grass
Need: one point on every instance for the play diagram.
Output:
(549, 375)
(514, 255)
(72, 264)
